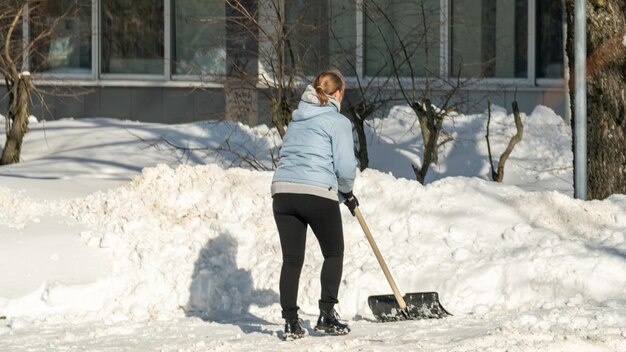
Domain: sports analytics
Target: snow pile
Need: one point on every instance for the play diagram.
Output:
(542, 160)
(177, 236)
(201, 241)
(16, 209)
(89, 260)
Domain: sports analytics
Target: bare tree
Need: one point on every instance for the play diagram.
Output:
(294, 46)
(498, 175)
(363, 98)
(366, 99)
(400, 52)
(268, 26)
(18, 85)
(292, 43)
(606, 98)
(13, 67)
(258, 46)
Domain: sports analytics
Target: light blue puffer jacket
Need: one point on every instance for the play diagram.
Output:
(318, 148)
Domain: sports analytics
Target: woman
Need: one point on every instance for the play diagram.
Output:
(316, 171)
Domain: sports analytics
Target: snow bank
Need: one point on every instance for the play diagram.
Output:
(201, 241)
(542, 160)
(520, 269)
(16, 209)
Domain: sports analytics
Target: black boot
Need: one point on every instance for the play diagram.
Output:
(293, 330)
(329, 323)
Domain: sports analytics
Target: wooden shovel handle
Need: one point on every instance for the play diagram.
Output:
(381, 261)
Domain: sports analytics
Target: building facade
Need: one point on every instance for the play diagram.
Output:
(174, 61)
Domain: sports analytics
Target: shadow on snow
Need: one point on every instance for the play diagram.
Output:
(221, 292)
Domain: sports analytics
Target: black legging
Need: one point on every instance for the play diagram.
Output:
(293, 212)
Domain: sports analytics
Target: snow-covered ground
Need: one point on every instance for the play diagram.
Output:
(112, 240)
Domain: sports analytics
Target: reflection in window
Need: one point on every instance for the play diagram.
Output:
(132, 36)
(323, 35)
(199, 37)
(397, 29)
(66, 27)
(549, 39)
(489, 38)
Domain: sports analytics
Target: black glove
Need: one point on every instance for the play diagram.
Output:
(351, 202)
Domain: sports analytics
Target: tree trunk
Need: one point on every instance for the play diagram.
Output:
(362, 153)
(431, 124)
(606, 94)
(17, 120)
(357, 114)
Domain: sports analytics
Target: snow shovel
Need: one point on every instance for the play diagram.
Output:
(417, 305)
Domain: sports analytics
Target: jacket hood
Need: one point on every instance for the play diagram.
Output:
(309, 105)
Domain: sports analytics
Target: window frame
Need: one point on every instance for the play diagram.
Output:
(419, 81)
(530, 80)
(137, 76)
(490, 82)
(168, 78)
(47, 76)
(181, 77)
(97, 78)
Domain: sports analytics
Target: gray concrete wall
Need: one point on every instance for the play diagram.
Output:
(180, 105)
(146, 104)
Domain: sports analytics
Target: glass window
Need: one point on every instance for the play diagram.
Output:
(404, 32)
(549, 39)
(132, 36)
(322, 35)
(489, 38)
(342, 39)
(65, 29)
(199, 37)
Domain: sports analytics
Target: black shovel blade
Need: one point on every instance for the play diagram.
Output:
(419, 305)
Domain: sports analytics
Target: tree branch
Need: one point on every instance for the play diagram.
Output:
(493, 172)
(7, 45)
(498, 175)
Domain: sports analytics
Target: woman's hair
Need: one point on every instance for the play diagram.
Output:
(327, 83)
